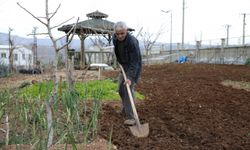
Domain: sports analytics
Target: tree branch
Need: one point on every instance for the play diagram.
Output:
(4, 131)
(72, 28)
(53, 14)
(45, 33)
(62, 23)
(31, 14)
(71, 38)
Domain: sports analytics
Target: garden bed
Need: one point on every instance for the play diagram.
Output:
(186, 107)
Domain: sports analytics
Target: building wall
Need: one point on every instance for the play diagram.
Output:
(23, 57)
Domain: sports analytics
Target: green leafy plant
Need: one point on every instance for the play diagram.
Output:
(83, 90)
(76, 112)
(247, 62)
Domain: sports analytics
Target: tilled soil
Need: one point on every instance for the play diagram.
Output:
(186, 107)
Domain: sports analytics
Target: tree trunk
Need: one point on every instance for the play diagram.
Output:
(11, 61)
(49, 104)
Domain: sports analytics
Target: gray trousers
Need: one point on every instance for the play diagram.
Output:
(126, 105)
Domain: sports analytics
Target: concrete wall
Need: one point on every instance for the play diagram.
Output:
(227, 55)
(217, 55)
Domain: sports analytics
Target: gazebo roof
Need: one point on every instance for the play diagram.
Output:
(97, 15)
(96, 25)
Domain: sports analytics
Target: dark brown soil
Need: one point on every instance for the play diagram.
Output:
(186, 107)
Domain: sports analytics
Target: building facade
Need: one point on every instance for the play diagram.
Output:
(22, 56)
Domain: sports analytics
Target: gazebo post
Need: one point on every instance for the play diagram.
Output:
(67, 46)
(109, 39)
(82, 51)
(67, 51)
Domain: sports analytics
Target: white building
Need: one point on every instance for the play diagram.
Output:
(23, 57)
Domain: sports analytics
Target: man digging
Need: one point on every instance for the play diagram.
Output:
(127, 52)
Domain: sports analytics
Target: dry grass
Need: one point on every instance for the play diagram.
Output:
(237, 84)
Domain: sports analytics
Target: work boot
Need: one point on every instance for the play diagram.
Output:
(129, 122)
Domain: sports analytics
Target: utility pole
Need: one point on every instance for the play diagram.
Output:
(34, 46)
(170, 46)
(171, 33)
(227, 26)
(244, 24)
(183, 20)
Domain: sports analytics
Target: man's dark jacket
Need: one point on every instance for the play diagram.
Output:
(130, 57)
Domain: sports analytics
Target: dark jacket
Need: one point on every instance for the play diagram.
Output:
(130, 58)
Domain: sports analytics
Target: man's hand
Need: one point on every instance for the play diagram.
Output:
(127, 82)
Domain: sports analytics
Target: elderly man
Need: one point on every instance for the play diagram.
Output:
(128, 54)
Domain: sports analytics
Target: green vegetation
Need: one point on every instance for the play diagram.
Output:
(247, 62)
(75, 120)
(106, 88)
(3, 70)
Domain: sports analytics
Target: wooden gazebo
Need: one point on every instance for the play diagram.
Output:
(95, 25)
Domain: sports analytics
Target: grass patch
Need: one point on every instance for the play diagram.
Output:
(237, 84)
(106, 89)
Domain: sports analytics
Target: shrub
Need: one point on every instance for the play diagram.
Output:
(247, 62)
(3, 70)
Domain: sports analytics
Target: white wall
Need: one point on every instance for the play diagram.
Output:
(24, 56)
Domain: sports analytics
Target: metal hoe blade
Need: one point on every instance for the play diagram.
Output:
(140, 131)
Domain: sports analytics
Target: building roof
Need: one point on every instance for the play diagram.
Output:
(97, 15)
(95, 25)
(4, 46)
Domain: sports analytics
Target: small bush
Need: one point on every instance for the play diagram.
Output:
(247, 62)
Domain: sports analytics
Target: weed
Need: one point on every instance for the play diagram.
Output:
(247, 62)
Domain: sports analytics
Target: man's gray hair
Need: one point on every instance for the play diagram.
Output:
(121, 25)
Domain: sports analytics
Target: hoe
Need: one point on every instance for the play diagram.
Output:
(138, 130)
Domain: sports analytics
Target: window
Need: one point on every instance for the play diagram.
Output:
(3, 55)
(23, 55)
(16, 57)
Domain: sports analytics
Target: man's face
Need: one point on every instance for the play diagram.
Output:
(121, 33)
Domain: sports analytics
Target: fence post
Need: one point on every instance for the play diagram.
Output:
(178, 50)
(198, 45)
(222, 51)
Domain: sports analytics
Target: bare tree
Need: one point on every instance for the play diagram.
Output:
(149, 39)
(46, 21)
(11, 52)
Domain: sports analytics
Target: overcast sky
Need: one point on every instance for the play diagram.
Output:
(204, 19)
